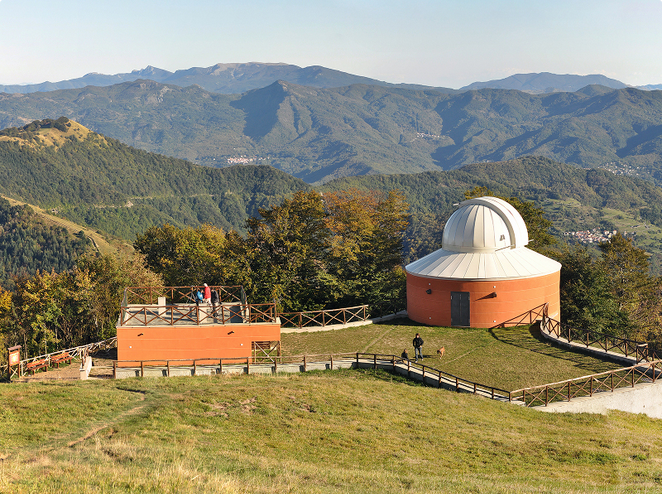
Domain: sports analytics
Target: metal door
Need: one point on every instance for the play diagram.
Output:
(460, 309)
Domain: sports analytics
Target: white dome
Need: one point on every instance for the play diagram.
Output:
(484, 224)
(484, 240)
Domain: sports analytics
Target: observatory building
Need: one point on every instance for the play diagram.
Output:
(483, 274)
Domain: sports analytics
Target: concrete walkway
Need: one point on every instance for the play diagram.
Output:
(643, 398)
(408, 369)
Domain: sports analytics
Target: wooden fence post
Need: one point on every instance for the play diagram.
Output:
(114, 369)
(305, 365)
(142, 369)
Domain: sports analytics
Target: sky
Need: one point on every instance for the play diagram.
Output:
(445, 43)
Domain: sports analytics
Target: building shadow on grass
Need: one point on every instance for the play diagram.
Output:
(532, 340)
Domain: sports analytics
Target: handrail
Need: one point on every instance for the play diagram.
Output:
(149, 295)
(182, 314)
(78, 352)
(456, 382)
(588, 338)
(587, 385)
(324, 317)
(596, 339)
(528, 317)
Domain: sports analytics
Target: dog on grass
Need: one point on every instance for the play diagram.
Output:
(441, 351)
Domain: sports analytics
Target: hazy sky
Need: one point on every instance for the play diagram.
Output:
(447, 43)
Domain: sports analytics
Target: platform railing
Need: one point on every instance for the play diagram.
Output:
(192, 314)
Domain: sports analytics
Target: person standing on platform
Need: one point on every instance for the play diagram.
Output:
(206, 296)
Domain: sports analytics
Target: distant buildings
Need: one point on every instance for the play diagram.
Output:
(244, 160)
(595, 236)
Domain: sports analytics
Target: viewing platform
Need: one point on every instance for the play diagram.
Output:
(176, 306)
(166, 323)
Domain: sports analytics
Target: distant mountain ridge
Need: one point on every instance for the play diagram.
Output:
(545, 82)
(318, 134)
(224, 78)
(234, 78)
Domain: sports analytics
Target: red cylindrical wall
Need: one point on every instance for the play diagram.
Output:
(491, 302)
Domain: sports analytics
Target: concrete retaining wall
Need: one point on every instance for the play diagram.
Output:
(643, 398)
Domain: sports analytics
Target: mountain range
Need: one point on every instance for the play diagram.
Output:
(318, 134)
(231, 78)
(225, 78)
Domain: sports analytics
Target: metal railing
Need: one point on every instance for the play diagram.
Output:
(545, 394)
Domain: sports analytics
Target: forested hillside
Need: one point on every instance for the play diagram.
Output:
(27, 245)
(573, 198)
(319, 134)
(102, 183)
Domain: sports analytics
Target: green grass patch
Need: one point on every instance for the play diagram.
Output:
(320, 432)
(510, 358)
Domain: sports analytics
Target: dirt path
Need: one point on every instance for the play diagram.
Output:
(105, 425)
(367, 347)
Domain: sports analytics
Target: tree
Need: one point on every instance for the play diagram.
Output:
(184, 256)
(587, 301)
(366, 246)
(288, 246)
(109, 276)
(635, 290)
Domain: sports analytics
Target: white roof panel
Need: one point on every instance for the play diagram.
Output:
(503, 264)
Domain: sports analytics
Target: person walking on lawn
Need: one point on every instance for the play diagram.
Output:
(418, 344)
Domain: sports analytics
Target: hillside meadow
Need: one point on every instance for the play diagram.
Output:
(321, 432)
(325, 432)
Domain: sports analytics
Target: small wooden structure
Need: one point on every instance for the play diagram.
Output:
(13, 360)
(166, 323)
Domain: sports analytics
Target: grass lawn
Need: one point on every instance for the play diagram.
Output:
(510, 358)
(320, 432)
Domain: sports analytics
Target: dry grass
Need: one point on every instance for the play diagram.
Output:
(341, 431)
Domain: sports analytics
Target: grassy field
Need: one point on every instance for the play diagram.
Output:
(511, 358)
(340, 431)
